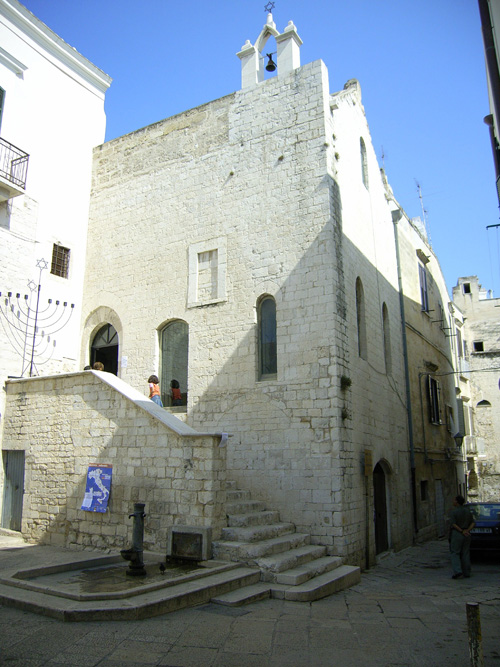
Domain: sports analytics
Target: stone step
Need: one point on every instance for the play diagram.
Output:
(338, 579)
(328, 583)
(298, 575)
(234, 495)
(243, 596)
(272, 564)
(250, 553)
(266, 517)
(256, 533)
(144, 605)
(245, 507)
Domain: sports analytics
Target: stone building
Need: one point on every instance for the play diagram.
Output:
(246, 249)
(489, 12)
(480, 350)
(252, 249)
(45, 172)
(431, 323)
(52, 115)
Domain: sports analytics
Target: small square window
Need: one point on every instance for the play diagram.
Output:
(60, 261)
(478, 346)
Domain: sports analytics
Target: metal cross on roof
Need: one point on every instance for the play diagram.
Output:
(269, 7)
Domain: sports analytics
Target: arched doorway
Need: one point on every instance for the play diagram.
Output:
(380, 505)
(174, 343)
(104, 348)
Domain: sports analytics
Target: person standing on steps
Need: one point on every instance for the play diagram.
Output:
(462, 522)
(154, 390)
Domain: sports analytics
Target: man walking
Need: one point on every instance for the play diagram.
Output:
(462, 522)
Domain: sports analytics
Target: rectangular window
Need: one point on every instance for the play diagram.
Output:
(434, 392)
(207, 275)
(60, 261)
(207, 272)
(424, 490)
(450, 424)
(466, 287)
(478, 346)
(424, 297)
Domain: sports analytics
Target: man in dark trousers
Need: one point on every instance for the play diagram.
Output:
(462, 522)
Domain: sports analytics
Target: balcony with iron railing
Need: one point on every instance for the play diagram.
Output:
(13, 170)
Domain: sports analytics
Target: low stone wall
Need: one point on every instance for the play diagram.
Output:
(67, 422)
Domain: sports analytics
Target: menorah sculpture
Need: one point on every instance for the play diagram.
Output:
(29, 327)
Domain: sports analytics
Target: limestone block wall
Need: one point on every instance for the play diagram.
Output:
(262, 178)
(245, 175)
(65, 423)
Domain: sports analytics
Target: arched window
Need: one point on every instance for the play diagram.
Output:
(174, 343)
(266, 311)
(364, 162)
(360, 318)
(387, 339)
(483, 404)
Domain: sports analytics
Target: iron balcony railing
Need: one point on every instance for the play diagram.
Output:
(13, 164)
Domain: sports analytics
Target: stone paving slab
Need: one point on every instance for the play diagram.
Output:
(405, 611)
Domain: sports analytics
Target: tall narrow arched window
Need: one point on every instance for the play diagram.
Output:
(360, 319)
(266, 312)
(174, 343)
(364, 162)
(387, 339)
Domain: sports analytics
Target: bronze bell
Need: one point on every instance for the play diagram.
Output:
(271, 65)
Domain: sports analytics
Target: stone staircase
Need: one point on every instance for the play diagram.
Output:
(290, 567)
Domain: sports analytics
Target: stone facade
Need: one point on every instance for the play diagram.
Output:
(65, 423)
(53, 110)
(270, 181)
(480, 351)
(438, 465)
(252, 249)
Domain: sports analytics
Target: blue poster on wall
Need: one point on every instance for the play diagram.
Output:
(97, 488)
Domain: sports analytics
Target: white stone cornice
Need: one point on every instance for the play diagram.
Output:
(45, 38)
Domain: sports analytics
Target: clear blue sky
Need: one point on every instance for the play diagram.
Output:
(420, 65)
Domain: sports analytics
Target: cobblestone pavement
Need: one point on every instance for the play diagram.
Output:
(406, 611)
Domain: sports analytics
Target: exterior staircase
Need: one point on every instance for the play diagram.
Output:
(290, 567)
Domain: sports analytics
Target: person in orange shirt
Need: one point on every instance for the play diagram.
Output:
(176, 393)
(154, 390)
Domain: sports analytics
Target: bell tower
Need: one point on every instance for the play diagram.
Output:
(252, 62)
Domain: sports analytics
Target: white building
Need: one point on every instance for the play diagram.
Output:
(52, 115)
(257, 267)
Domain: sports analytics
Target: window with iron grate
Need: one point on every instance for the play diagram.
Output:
(60, 261)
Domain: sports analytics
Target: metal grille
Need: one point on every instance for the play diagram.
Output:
(60, 261)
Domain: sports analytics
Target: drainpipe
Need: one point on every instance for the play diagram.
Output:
(396, 217)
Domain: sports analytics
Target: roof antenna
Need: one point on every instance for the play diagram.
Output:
(424, 211)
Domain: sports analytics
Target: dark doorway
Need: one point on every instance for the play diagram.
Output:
(380, 502)
(105, 348)
(12, 510)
